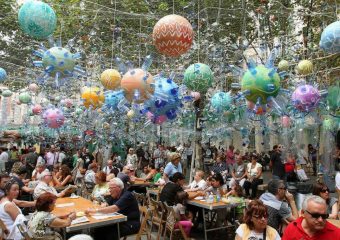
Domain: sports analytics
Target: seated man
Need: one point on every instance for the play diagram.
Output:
(44, 186)
(123, 202)
(90, 173)
(198, 184)
(313, 223)
(238, 172)
(37, 172)
(124, 175)
(278, 209)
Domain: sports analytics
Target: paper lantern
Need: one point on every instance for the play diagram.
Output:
(7, 93)
(25, 97)
(221, 101)
(260, 83)
(173, 35)
(92, 96)
(306, 98)
(305, 67)
(37, 19)
(3, 75)
(33, 87)
(330, 38)
(283, 65)
(110, 79)
(36, 109)
(53, 118)
(137, 85)
(198, 77)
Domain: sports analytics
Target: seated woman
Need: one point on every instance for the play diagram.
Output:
(101, 189)
(185, 219)
(42, 221)
(254, 176)
(321, 190)
(63, 177)
(148, 173)
(10, 213)
(255, 226)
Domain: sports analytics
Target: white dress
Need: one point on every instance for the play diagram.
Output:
(8, 221)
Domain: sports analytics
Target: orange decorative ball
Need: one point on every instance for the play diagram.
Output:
(92, 96)
(173, 35)
(138, 85)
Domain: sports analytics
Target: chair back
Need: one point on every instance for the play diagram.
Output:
(141, 198)
(3, 230)
(23, 230)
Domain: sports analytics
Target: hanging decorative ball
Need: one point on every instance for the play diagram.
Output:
(112, 98)
(110, 79)
(306, 98)
(92, 96)
(173, 35)
(3, 75)
(53, 118)
(37, 19)
(305, 67)
(78, 111)
(36, 109)
(138, 85)
(7, 93)
(260, 83)
(130, 114)
(68, 103)
(221, 101)
(33, 87)
(198, 77)
(333, 97)
(25, 97)
(330, 38)
(285, 121)
(328, 124)
(195, 95)
(58, 60)
(283, 65)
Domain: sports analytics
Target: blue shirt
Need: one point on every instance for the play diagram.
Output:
(171, 169)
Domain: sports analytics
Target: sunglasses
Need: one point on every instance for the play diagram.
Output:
(284, 188)
(324, 190)
(318, 215)
(260, 216)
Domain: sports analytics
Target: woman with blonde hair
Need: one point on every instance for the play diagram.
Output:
(172, 167)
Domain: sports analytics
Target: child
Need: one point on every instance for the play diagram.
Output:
(185, 219)
(237, 197)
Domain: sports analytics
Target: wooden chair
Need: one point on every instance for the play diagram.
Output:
(3, 230)
(26, 236)
(23, 230)
(158, 217)
(171, 221)
(141, 199)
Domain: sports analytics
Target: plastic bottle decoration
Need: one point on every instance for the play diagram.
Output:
(283, 65)
(92, 96)
(305, 67)
(285, 120)
(173, 35)
(112, 99)
(37, 19)
(330, 38)
(306, 98)
(221, 101)
(53, 118)
(33, 87)
(195, 95)
(198, 77)
(110, 79)
(138, 85)
(25, 97)
(7, 93)
(3, 75)
(36, 109)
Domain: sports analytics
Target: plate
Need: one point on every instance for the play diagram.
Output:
(80, 214)
(74, 196)
(199, 198)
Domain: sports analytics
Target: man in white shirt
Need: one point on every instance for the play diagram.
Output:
(50, 158)
(108, 167)
(43, 186)
(3, 159)
(198, 184)
(61, 156)
(90, 174)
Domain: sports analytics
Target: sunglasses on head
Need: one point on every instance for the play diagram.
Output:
(324, 190)
(318, 215)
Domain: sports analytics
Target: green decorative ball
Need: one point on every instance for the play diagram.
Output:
(283, 65)
(59, 59)
(305, 67)
(198, 77)
(25, 97)
(261, 83)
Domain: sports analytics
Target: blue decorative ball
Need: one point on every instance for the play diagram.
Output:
(58, 59)
(330, 38)
(221, 101)
(37, 19)
(112, 98)
(165, 101)
(3, 75)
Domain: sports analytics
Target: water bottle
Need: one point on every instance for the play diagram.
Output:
(218, 197)
(210, 198)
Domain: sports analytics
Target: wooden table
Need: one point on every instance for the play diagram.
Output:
(334, 222)
(80, 205)
(210, 207)
(142, 183)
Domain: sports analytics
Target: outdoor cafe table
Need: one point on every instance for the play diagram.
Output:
(210, 207)
(142, 183)
(80, 205)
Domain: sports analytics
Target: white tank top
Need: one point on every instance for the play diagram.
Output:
(5, 217)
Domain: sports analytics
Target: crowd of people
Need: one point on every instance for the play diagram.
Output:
(31, 181)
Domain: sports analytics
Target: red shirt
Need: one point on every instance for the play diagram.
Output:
(294, 231)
